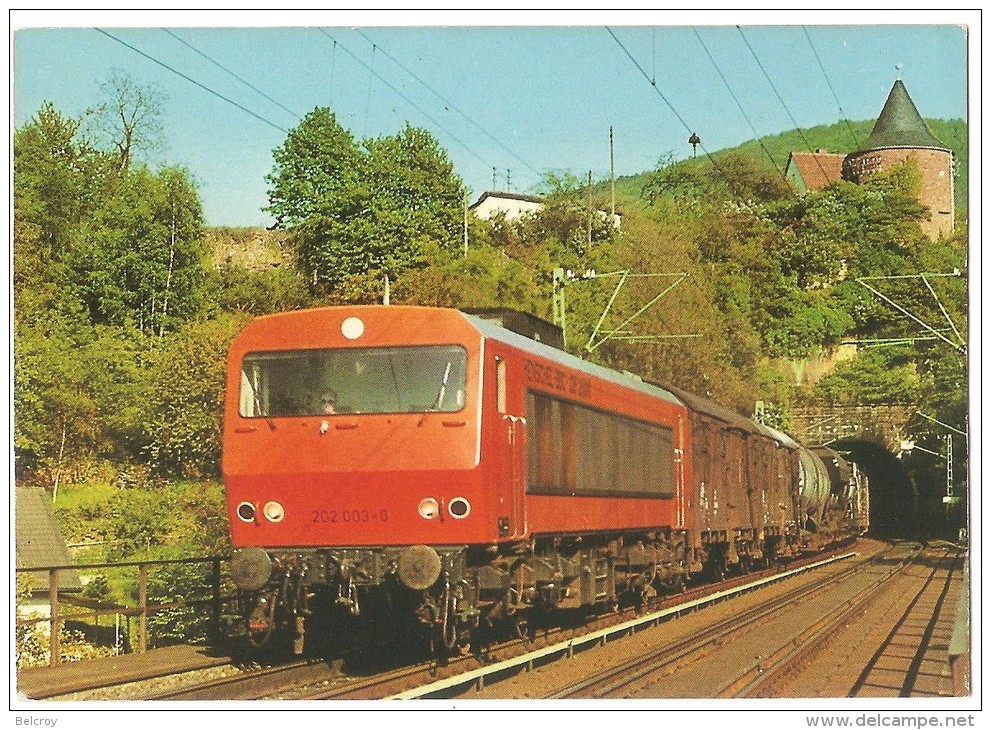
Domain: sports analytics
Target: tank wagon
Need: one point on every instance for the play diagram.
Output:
(423, 469)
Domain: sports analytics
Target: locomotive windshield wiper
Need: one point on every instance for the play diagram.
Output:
(443, 388)
(256, 390)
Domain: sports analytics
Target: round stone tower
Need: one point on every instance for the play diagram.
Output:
(900, 133)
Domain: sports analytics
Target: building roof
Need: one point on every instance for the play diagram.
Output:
(506, 196)
(38, 540)
(816, 169)
(900, 124)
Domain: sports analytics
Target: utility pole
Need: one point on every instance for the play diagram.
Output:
(590, 208)
(466, 223)
(612, 174)
(557, 303)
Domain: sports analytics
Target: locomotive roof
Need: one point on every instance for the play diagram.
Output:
(496, 332)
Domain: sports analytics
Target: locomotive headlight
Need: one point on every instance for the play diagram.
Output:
(246, 512)
(273, 511)
(459, 507)
(428, 508)
(352, 328)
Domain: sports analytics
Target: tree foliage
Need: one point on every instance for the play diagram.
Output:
(185, 399)
(139, 258)
(128, 118)
(108, 259)
(361, 207)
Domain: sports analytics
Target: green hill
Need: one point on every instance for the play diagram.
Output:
(840, 137)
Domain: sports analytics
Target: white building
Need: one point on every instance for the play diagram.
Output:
(512, 205)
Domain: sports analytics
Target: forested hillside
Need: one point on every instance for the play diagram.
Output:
(125, 304)
(842, 137)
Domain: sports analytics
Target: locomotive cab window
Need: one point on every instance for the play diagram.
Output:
(367, 380)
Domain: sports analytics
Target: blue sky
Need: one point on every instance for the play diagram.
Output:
(521, 93)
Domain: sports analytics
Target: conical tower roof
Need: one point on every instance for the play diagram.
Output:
(900, 124)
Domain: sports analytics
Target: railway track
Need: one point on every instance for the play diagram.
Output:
(924, 609)
(896, 647)
(355, 678)
(766, 678)
(454, 685)
(669, 658)
(718, 661)
(249, 684)
(311, 680)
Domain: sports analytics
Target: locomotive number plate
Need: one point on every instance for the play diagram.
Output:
(350, 516)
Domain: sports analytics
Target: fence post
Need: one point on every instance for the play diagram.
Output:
(216, 599)
(56, 624)
(143, 606)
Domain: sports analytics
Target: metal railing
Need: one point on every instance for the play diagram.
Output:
(142, 610)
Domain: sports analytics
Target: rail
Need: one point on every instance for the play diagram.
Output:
(142, 610)
(568, 648)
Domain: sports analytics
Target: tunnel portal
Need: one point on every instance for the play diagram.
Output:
(894, 496)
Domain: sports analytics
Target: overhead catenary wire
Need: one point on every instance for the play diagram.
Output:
(255, 114)
(849, 126)
(258, 116)
(405, 98)
(729, 88)
(368, 96)
(226, 70)
(193, 81)
(333, 65)
(674, 111)
(451, 106)
(801, 132)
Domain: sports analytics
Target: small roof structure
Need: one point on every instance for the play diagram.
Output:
(813, 171)
(523, 323)
(900, 124)
(38, 540)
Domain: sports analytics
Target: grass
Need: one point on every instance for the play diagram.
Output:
(73, 497)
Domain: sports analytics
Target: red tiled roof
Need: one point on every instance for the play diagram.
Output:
(817, 169)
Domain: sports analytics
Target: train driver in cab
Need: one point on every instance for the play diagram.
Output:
(328, 402)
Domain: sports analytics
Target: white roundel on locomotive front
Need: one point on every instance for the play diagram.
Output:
(352, 328)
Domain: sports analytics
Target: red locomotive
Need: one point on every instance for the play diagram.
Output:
(414, 466)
